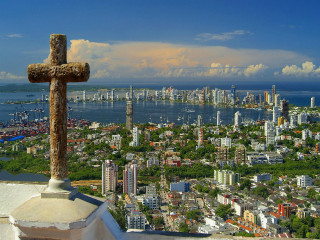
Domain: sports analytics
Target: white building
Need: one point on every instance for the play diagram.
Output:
(237, 119)
(269, 133)
(312, 102)
(218, 118)
(136, 220)
(276, 114)
(226, 177)
(130, 179)
(226, 142)
(152, 201)
(302, 118)
(135, 135)
(109, 176)
(306, 133)
(262, 177)
(304, 181)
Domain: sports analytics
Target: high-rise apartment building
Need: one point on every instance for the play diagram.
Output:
(240, 155)
(285, 109)
(218, 118)
(135, 135)
(129, 116)
(130, 178)
(274, 94)
(237, 119)
(312, 102)
(109, 176)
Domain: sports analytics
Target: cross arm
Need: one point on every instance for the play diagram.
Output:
(71, 72)
(39, 73)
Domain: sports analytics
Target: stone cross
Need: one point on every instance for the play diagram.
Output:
(58, 73)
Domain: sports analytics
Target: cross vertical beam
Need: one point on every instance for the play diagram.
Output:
(58, 73)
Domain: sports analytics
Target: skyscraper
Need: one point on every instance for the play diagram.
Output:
(312, 103)
(130, 178)
(131, 96)
(233, 93)
(109, 176)
(237, 119)
(129, 116)
(84, 98)
(218, 118)
(199, 123)
(273, 94)
(276, 114)
(112, 95)
(135, 135)
(285, 109)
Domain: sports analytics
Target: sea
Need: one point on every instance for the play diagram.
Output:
(144, 112)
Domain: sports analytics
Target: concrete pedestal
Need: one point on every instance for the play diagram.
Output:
(57, 218)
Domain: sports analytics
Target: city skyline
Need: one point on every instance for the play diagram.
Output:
(177, 42)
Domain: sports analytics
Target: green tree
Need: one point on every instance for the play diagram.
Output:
(224, 211)
(183, 227)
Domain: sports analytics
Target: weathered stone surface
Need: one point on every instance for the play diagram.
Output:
(58, 73)
(71, 72)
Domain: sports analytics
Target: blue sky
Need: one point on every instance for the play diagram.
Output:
(171, 40)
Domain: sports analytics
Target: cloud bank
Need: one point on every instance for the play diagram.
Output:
(7, 75)
(308, 69)
(157, 59)
(222, 36)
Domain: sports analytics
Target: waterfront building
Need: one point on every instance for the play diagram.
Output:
(218, 118)
(163, 93)
(112, 95)
(109, 177)
(266, 95)
(237, 119)
(266, 177)
(130, 178)
(181, 186)
(135, 135)
(131, 96)
(136, 220)
(277, 100)
(199, 122)
(84, 98)
(129, 116)
(233, 93)
(312, 102)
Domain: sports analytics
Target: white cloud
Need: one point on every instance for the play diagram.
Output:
(307, 70)
(220, 70)
(101, 74)
(6, 75)
(222, 36)
(156, 59)
(15, 35)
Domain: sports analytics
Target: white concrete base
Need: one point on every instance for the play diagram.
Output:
(77, 218)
